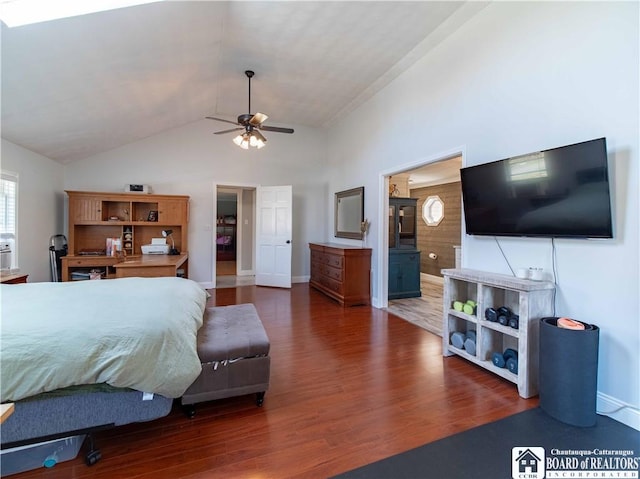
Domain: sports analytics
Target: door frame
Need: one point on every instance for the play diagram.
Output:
(239, 221)
(382, 301)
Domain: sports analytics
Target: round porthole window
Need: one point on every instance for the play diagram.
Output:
(433, 210)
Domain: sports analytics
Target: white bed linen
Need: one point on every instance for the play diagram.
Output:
(138, 333)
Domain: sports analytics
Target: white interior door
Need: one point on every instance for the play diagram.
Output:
(273, 236)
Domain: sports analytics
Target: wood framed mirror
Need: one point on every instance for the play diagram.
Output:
(349, 213)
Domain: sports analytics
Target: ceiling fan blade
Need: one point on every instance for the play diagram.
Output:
(221, 119)
(276, 129)
(257, 119)
(259, 136)
(227, 131)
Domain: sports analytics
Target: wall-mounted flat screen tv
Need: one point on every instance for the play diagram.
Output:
(562, 192)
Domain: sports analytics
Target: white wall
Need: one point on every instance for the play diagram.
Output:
(40, 207)
(191, 159)
(520, 77)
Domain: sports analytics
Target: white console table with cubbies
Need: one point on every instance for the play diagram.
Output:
(531, 300)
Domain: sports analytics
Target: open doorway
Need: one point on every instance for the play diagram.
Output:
(234, 236)
(434, 189)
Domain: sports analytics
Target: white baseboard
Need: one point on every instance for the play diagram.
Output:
(615, 409)
(300, 279)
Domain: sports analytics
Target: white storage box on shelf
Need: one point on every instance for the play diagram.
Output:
(43, 454)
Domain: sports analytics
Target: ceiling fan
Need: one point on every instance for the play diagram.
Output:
(251, 124)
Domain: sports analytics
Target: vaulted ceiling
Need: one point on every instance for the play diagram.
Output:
(78, 86)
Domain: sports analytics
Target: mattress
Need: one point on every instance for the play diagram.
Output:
(77, 409)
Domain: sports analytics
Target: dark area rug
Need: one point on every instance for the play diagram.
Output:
(492, 451)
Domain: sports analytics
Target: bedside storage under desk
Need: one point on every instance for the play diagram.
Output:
(147, 266)
(79, 267)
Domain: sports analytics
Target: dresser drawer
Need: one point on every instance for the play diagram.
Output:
(325, 258)
(321, 269)
(333, 273)
(90, 261)
(331, 284)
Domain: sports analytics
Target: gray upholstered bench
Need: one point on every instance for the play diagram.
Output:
(234, 350)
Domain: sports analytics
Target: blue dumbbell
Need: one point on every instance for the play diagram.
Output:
(458, 339)
(512, 365)
(498, 360)
(470, 346)
(504, 314)
(501, 359)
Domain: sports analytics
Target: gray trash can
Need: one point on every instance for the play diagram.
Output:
(568, 381)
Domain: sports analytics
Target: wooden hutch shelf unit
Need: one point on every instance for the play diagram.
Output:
(404, 257)
(531, 300)
(134, 218)
(341, 272)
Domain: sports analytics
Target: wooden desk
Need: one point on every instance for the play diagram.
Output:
(14, 278)
(152, 265)
(72, 263)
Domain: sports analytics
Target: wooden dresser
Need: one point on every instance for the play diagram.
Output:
(342, 272)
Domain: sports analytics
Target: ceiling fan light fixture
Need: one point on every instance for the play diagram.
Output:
(242, 141)
(256, 142)
(251, 123)
(248, 139)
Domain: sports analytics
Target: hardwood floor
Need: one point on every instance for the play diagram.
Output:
(349, 386)
(225, 268)
(424, 311)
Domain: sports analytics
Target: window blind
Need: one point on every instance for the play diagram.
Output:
(8, 219)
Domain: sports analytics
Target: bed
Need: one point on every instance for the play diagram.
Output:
(112, 351)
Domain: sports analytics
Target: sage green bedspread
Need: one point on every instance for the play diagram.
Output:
(137, 333)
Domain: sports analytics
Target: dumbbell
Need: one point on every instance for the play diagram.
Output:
(508, 359)
(504, 314)
(491, 314)
(465, 341)
(514, 321)
(470, 342)
(512, 365)
(468, 307)
(458, 339)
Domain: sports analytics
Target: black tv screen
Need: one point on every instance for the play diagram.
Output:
(562, 192)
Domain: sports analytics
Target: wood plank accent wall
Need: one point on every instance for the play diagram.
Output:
(442, 238)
